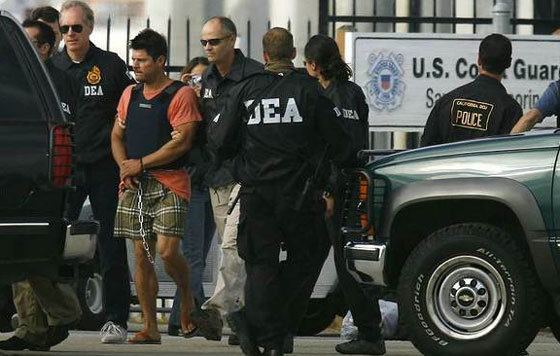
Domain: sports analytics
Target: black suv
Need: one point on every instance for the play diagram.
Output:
(35, 167)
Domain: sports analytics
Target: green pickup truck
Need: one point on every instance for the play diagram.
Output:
(467, 233)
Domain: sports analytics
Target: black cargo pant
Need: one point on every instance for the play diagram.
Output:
(268, 221)
(100, 181)
(364, 307)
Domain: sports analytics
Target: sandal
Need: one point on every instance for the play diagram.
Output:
(142, 338)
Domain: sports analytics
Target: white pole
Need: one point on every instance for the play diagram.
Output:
(501, 17)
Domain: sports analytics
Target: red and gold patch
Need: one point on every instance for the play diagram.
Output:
(94, 75)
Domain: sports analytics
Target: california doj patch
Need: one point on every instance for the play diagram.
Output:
(94, 75)
(471, 114)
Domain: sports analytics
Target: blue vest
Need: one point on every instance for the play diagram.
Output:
(147, 125)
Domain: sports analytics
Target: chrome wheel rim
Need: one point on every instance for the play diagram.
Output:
(466, 297)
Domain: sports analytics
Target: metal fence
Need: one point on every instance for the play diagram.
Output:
(177, 67)
(546, 13)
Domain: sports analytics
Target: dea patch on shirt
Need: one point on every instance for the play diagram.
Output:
(471, 114)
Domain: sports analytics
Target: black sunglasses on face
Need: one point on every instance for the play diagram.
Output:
(212, 42)
(75, 28)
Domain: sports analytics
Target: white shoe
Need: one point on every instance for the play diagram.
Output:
(112, 333)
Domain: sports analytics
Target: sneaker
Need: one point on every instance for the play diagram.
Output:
(17, 344)
(112, 333)
(208, 322)
(361, 347)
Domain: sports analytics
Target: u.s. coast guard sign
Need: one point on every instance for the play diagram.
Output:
(403, 75)
(386, 88)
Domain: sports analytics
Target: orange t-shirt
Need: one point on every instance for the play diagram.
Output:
(183, 109)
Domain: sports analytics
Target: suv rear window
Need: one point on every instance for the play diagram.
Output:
(18, 100)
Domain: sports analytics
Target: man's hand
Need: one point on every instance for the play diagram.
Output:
(329, 206)
(130, 168)
(130, 182)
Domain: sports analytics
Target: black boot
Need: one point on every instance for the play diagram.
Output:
(57, 334)
(289, 344)
(273, 352)
(238, 325)
(16, 344)
(233, 340)
(362, 347)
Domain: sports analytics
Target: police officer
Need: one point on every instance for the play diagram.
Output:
(276, 124)
(227, 67)
(478, 109)
(323, 61)
(102, 77)
(45, 308)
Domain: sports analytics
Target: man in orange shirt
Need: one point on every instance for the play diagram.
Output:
(155, 186)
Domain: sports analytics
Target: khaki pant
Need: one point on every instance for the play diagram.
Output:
(229, 292)
(41, 303)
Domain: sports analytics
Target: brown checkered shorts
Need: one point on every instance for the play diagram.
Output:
(164, 212)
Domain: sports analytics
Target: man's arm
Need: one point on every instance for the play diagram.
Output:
(224, 129)
(548, 104)
(169, 152)
(527, 121)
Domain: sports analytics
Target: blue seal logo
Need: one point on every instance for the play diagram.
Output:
(385, 89)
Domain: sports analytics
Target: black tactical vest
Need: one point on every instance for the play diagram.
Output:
(147, 125)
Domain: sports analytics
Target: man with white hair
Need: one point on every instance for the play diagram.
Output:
(102, 76)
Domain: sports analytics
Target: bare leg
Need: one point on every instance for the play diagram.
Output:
(177, 268)
(146, 288)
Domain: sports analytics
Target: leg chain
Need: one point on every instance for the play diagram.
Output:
(139, 193)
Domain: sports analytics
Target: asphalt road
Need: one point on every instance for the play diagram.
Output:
(87, 343)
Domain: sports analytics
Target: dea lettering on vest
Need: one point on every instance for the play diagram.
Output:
(94, 78)
(270, 112)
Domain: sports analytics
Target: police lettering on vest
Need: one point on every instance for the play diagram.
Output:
(269, 112)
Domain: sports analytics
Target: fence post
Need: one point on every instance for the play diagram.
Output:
(501, 16)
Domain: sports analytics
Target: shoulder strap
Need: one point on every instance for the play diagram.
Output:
(174, 87)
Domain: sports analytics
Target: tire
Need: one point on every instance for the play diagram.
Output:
(468, 289)
(90, 295)
(319, 315)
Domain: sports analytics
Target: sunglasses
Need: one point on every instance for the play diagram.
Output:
(75, 28)
(212, 42)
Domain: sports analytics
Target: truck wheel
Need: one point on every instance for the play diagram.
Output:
(320, 314)
(468, 289)
(90, 295)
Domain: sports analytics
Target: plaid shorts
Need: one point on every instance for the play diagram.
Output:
(164, 212)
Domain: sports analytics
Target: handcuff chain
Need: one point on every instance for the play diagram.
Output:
(139, 194)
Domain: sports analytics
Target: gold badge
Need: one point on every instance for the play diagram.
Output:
(94, 75)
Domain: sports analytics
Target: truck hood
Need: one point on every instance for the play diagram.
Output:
(534, 140)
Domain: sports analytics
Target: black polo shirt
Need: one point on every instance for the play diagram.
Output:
(213, 94)
(479, 109)
(101, 76)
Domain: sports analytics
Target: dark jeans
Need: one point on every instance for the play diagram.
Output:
(99, 181)
(364, 307)
(195, 245)
(268, 221)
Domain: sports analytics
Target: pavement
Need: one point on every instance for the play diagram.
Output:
(87, 343)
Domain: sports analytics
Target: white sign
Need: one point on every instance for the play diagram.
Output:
(402, 75)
